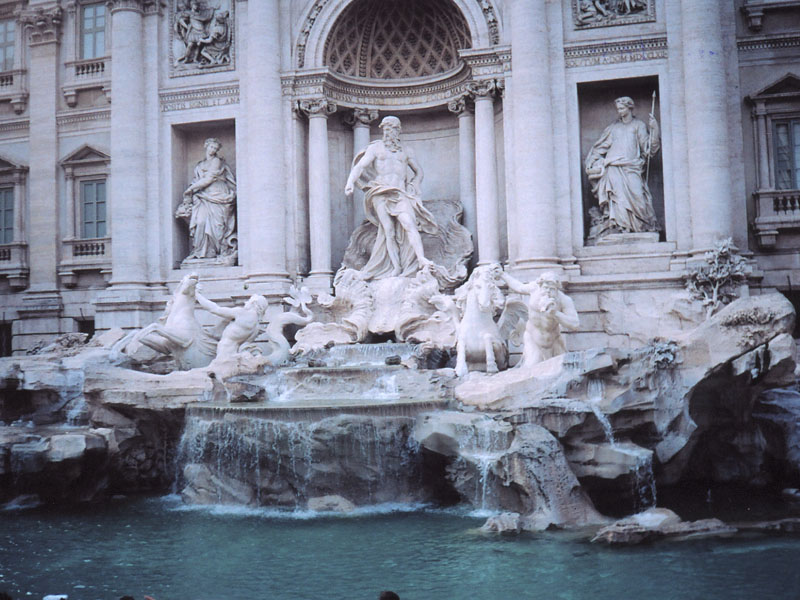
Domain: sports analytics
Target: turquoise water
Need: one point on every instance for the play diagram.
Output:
(158, 547)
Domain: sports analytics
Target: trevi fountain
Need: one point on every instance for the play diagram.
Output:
(424, 427)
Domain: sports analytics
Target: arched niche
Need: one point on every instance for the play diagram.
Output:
(481, 16)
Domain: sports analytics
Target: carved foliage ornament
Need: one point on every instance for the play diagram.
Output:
(316, 107)
(605, 13)
(44, 25)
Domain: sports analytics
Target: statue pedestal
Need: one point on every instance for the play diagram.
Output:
(219, 261)
(614, 239)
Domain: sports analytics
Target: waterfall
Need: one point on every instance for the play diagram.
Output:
(483, 445)
(644, 483)
(595, 391)
(236, 457)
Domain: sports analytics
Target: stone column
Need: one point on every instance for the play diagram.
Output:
(762, 143)
(43, 28)
(362, 118)
(533, 137)
(319, 190)
(128, 201)
(466, 160)
(39, 316)
(706, 123)
(486, 210)
(263, 220)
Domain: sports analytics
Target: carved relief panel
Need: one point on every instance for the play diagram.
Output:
(201, 36)
(605, 13)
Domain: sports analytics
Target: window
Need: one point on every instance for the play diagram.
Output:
(6, 215)
(93, 204)
(7, 34)
(93, 30)
(787, 154)
(5, 339)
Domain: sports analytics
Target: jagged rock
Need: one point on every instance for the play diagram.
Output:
(790, 525)
(606, 460)
(331, 503)
(495, 465)
(506, 522)
(658, 523)
(213, 488)
(29, 457)
(779, 409)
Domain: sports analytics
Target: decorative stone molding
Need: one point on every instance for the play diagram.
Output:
(317, 107)
(587, 14)
(769, 42)
(588, 55)
(460, 105)
(202, 39)
(491, 20)
(199, 98)
(43, 25)
(351, 92)
(361, 116)
(754, 10)
(72, 118)
(487, 62)
(302, 40)
(483, 89)
(135, 5)
(12, 126)
(14, 89)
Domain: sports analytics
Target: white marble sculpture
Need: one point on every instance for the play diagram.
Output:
(241, 324)
(178, 332)
(481, 341)
(204, 33)
(209, 206)
(392, 203)
(617, 165)
(550, 312)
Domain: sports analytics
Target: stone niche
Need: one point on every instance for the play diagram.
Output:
(187, 150)
(597, 111)
(432, 135)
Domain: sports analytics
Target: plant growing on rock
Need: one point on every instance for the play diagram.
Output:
(714, 281)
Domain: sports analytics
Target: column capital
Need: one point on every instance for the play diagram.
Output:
(484, 89)
(460, 105)
(43, 24)
(132, 5)
(317, 107)
(364, 116)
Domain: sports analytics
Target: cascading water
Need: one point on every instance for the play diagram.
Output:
(595, 389)
(481, 447)
(644, 484)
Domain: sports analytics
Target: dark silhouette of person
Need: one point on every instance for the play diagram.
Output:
(388, 596)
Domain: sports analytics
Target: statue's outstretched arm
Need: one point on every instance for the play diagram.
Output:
(567, 316)
(214, 308)
(514, 284)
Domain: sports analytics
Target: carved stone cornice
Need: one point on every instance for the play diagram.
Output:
(134, 5)
(625, 51)
(487, 62)
(486, 88)
(43, 24)
(460, 105)
(317, 107)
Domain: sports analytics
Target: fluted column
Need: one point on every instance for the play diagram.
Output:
(43, 29)
(319, 188)
(466, 160)
(262, 212)
(706, 122)
(486, 210)
(533, 138)
(362, 118)
(128, 148)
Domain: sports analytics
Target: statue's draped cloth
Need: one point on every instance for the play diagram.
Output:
(621, 153)
(397, 202)
(213, 223)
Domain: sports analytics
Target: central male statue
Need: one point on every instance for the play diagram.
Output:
(392, 203)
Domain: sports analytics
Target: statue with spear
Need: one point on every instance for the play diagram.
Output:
(618, 166)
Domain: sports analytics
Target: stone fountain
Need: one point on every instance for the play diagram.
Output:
(476, 398)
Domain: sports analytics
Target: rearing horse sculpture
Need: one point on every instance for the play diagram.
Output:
(481, 341)
(178, 332)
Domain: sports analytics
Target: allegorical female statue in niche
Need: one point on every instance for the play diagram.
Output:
(209, 205)
(616, 166)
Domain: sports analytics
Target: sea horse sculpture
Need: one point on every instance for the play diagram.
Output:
(177, 332)
(481, 341)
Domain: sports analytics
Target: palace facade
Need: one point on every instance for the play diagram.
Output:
(106, 108)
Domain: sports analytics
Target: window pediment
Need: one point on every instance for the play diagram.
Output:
(788, 85)
(86, 155)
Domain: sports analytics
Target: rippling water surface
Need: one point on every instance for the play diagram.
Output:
(160, 548)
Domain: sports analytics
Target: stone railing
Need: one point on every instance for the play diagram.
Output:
(13, 89)
(775, 210)
(84, 255)
(87, 74)
(14, 264)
